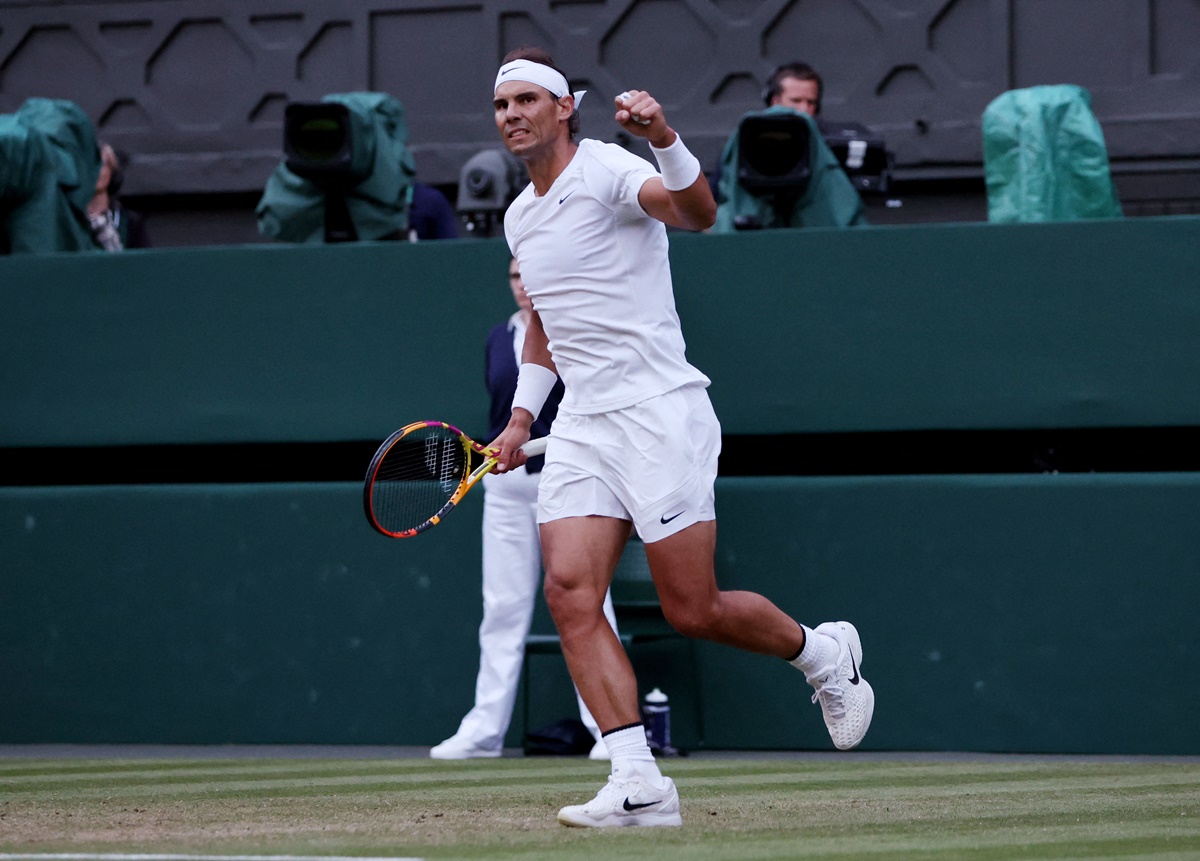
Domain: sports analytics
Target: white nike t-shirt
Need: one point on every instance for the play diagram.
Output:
(595, 265)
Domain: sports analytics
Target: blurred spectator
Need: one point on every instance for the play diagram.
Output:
(114, 226)
(431, 215)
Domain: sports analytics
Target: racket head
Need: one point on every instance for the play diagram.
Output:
(416, 477)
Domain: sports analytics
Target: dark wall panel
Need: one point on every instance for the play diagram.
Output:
(195, 89)
(1078, 41)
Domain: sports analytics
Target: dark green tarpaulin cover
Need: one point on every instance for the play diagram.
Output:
(292, 209)
(49, 164)
(830, 200)
(1044, 157)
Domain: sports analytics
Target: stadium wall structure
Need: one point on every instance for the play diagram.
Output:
(1002, 609)
(195, 90)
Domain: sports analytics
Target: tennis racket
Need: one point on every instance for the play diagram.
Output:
(421, 472)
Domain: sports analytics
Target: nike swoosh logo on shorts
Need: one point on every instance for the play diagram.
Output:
(664, 520)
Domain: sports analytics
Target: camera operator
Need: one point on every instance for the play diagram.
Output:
(348, 176)
(822, 195)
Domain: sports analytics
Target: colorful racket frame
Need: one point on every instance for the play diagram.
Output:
(466, 479)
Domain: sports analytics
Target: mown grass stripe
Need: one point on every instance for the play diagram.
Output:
(165, 777)
(113, 856)
(292, 781)
(57, 769)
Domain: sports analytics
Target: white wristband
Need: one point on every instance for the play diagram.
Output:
(679, 168)
(534, 383)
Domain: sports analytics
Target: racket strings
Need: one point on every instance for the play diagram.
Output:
(416, 478)
(440, 461)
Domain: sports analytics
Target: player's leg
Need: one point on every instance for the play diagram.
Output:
(829, 655)
(581, 554)
(682, 567)
(599, 751)
(684, 441)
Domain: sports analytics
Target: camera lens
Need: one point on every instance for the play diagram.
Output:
(479, 182)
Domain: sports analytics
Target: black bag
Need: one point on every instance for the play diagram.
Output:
(566, 737)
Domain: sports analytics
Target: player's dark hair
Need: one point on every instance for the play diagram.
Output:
(799, 71)
(537, 55)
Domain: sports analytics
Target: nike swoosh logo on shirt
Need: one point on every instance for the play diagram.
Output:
(565, 196)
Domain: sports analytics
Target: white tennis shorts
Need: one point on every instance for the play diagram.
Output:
(654, 463)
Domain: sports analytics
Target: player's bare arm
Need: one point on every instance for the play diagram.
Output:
(537, 343)
(535, 352)
(692, 207)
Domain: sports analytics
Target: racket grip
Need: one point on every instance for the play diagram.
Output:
(535, 446)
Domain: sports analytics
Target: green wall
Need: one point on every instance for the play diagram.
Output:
(1001, 612)
(1016, 326)
(997, 613)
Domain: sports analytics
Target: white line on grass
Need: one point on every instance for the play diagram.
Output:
(98, 856)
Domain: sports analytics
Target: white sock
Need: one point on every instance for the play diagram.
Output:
(820, 650)
(630, 754)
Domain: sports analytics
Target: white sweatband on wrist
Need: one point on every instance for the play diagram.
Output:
(534, 383)
(678, 167)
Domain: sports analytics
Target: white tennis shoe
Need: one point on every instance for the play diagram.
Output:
(458, 747)
(626, 802)
(599, 751)
(847, 700)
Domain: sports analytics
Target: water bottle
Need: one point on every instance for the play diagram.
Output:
(656, 715)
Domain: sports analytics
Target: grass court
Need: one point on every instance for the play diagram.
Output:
(767, 806)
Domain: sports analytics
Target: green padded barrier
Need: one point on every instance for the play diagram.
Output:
(891, 328)
(254, 344)
(947, 327)
(224, 614)
(1020, 613)
(998, 613)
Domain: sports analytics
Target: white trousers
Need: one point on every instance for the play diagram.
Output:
(512, 575)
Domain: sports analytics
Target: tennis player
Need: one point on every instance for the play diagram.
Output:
(636, 440)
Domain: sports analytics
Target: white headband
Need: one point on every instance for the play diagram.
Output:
(536, 73)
